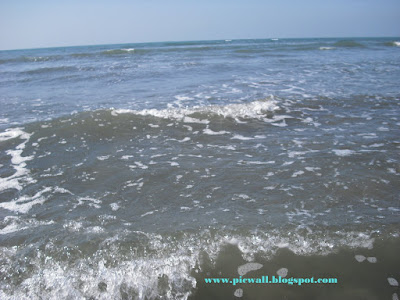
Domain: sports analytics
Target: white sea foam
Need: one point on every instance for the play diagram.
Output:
(95, 229)
(238, 293)
(392, 281)
(73, 226)
(293, 154)
(255, 162)
(123, 49)
(187, 119)
(282, 272)
(182, 98)
(297, 173)
(281, 124)
(90, 201)
(140, 165)
(24, 203)
(103, 157)
(360, 258)
(17, 160)
(229, 147)
(12, 134)
(148, 213)
(114, 206)
(376, 145)
(343, 152)
(16, 224)
(62, 190)
(186, 139)
(126, 157)
(166, 269)
(141, 277)
(255, 109)
(210, 132)
(246, 268)
(241, 137)
(269, 242)
(11, 228)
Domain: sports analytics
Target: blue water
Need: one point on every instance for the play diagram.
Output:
(134, 171)
(43, 83)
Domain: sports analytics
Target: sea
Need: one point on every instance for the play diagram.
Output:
(140, 171)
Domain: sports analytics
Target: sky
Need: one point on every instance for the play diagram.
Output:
(54, 23)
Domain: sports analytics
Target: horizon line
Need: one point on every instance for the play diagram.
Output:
(201, 40)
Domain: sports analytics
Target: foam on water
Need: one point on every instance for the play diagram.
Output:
(392, 281)
(132, 202)
(282, 272)
(24, 203)
(166, 269)
(300, 245)
(241, 137)
(360, 258)
(12, 134)
(251, 110)
(210, 132)
(142, 278)
(12, 224)
(16, 180)
(88, 201)
(246, 268)
(114, 206)
(238, 293)
(343, 152)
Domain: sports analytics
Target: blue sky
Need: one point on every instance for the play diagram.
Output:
(46, 23)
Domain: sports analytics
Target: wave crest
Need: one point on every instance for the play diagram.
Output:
(252, 110)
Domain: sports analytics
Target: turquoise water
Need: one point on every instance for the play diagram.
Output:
(135, 171)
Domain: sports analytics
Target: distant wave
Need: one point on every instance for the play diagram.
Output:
(392, 44)
(118, 51)
(50, 70)
(251, 50)
(85, 54)
(112, 52)
(348, 44)
(160, 50)
(32, 59)
(192, 43)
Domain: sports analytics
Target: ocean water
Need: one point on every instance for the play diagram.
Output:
(135, 171)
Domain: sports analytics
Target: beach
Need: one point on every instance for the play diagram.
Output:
(137, 171)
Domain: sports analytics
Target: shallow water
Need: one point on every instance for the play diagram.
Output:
(136, 171)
